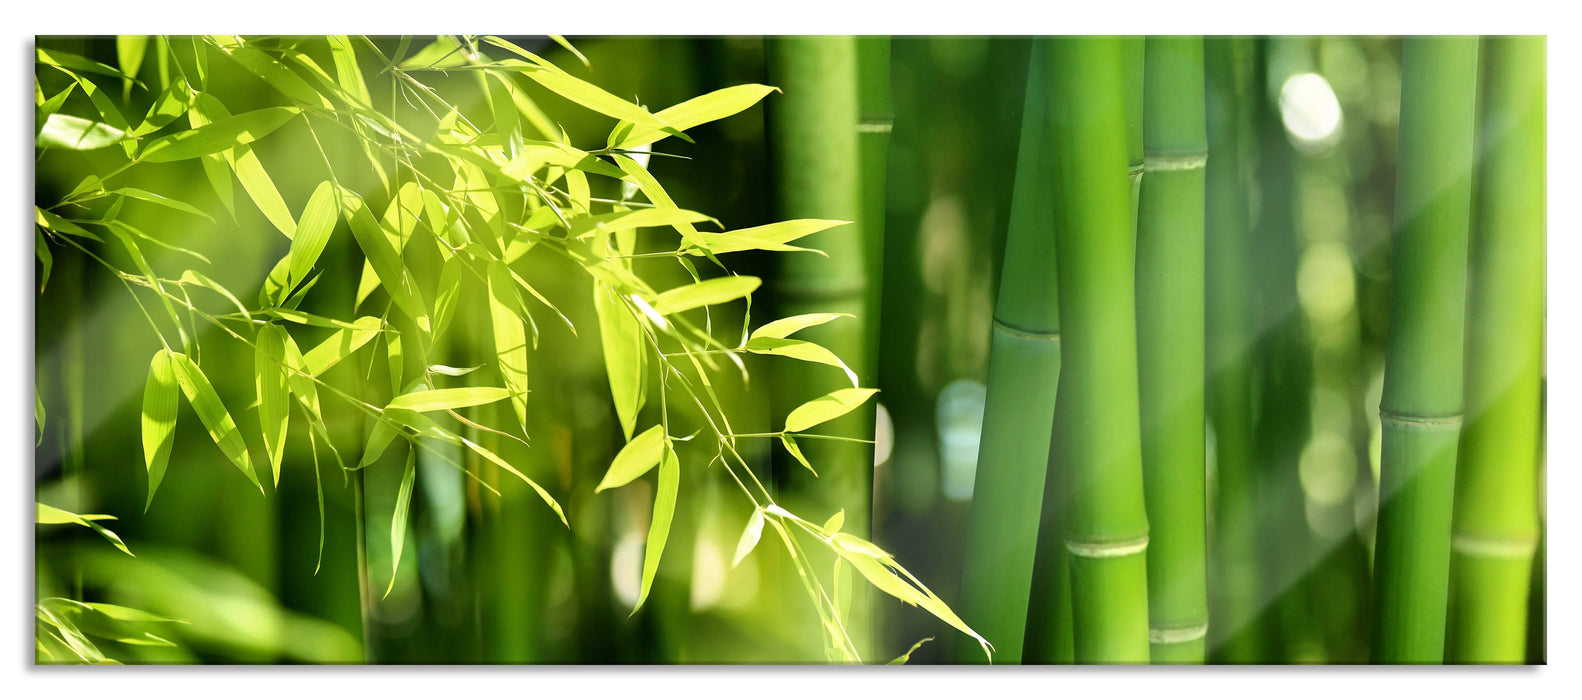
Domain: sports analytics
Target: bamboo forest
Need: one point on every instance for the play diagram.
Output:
(565, 350)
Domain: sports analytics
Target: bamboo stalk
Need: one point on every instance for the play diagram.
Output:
(1233, 579)
(1107, 531)
(1170, 309)
(818, 166)
(1422, 402)
(1024, 369)
(1496, 517)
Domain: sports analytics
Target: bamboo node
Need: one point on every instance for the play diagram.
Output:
(1108, 550)
(1494, 547)
(875, 125)
(1019, 332)
(1175, 161)
(1177, 635)
(1403, 420)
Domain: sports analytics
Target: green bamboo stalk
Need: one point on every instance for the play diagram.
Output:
(1496, 517)
(818, 167)
(1024, 369)
(1422, 402)
(1135, 48)
(1170, 363)
(1228, 342)
(1107, 531)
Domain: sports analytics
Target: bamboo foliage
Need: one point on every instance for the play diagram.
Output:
(1496, 516)
(1421, 408)
(1019, 411)
(1170, 342)
(1107, 528)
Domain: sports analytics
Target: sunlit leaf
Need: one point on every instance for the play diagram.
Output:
(76, 133)
(767, 237)
(800, 350)
(902, 659)
(206, 403)
(659, 525)
(749, 538)
(50, 515)
(395, 277)
(510, 337)
(635, 459)
(657, 195)
(217, 136)
(249, 170)
(170, 105)
(795, 451)
(698, 110)
(835, 522)
(129, 50)
(341, 344)
(449, 371)
(442, 399)
(313, 232)
(46, 260)
(791, 324)
(712, 291)
(75, 62)
(624, 358)
(273, 397)
(827, 407)
(398, 518)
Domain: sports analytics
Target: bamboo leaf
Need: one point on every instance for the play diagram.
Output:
(835, 522)
(827, 407)
(382, 256)
(76, 133)
(217, 136)
(249, 170)
(206, 403)
(161, 200)
(202, 280)
(635, 459)
(659, 525)
(277, 75)
(443, 399)
(341, 344)
(637, 218)
(902, 659)
(567, 46)
(623, 356)
(657, 195)
(449, 371)
(767, 237)
(312, 232)
(46, 260)
(712, 291)
(398, 518)
(129, 50)
(38, 416)
(800, 350)
(169, 106)
(698, 110)
(301, 383)
(510, 338)
(791, 324)
(50, 515)
(158, 418)
(796, 452)
(750, 536)
(74, 62)
(590, 96)
(273, 397)
(347, 74)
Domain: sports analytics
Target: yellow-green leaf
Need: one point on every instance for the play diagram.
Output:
(398, 518)
(269, 380)
(635, 459)
(768, 236)
(217, 136)
(795, 451)
(50, 515)
(827, 407)
(799, 350)
(750, 536)
(835, 522)
(312, 232)
(713, 291)
(510, 337)
(76, 133)
(698, 110)
(159, 419)
(206, 403)
(791, 324)
(659, 525)
(341, 344)
(443, 399)
(387, 265)
(623, 355)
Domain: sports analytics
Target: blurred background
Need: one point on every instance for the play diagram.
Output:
(498, 580)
